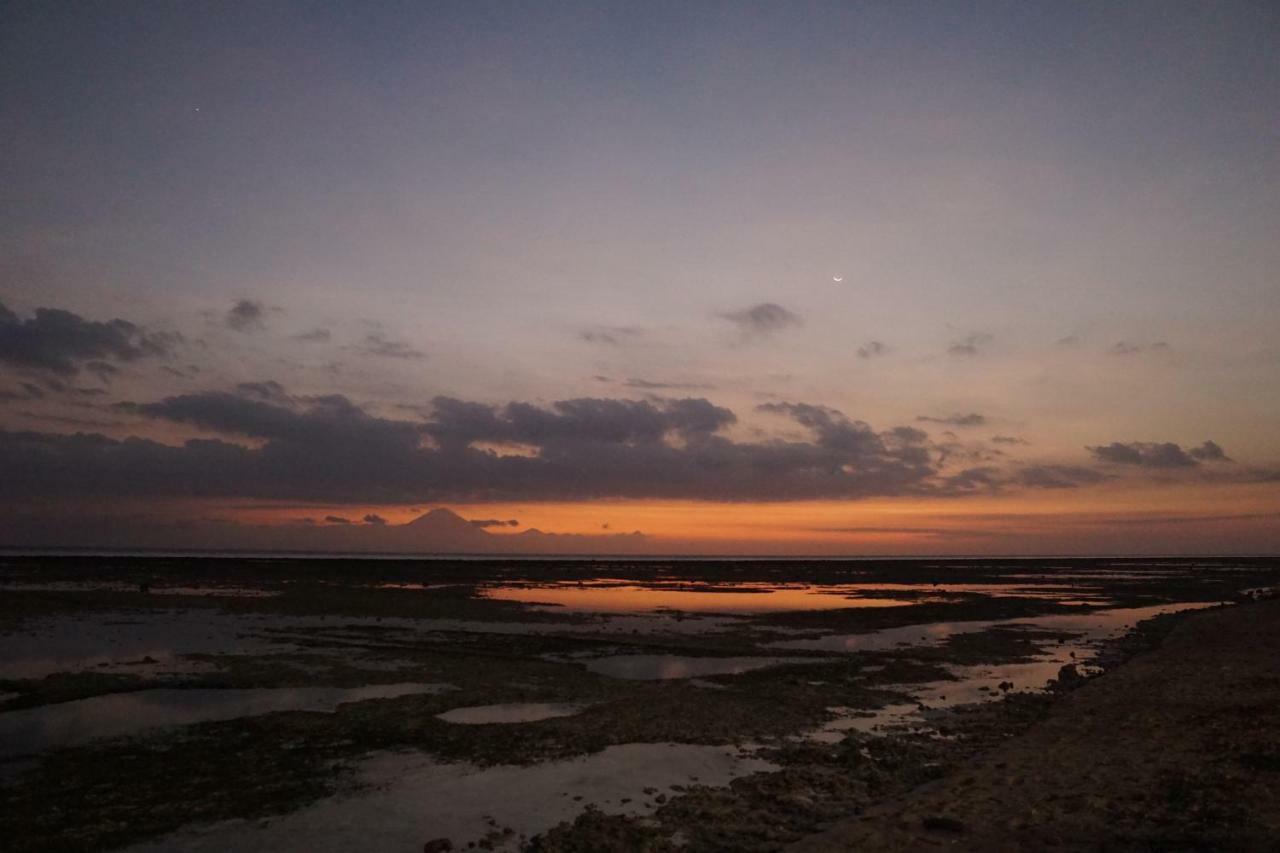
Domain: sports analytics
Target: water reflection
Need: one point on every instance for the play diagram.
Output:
(983, 683)
(607, 597)
(657, 667)
(1095, 625)
(514, 712)
(405, 798)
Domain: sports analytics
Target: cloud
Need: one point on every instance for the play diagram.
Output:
(245, 315)
(79, 423)
(1056, 476)
(278, 446)
(872, 349)
(958, 420)
(610, 335)
(1149, 454)
(327, 423)
(376, 344)
(1210, 451)
(373, 518)
(330, 449)
(909, 435)
(1008, 439)
(269, 390)
(970, 345)
(973, 480)
(763, 319)
(647, 385)
(1125, 348)
(26, 391)
(314, 336)
(495, 522)
(59, 387)
(581, 420)
(64, 343)
(103, 370)
(336, 519)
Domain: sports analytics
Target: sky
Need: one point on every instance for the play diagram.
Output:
(828, 278)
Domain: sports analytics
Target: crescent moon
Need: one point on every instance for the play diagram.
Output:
(837, 278)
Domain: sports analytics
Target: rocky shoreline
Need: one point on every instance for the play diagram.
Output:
(1178, 749)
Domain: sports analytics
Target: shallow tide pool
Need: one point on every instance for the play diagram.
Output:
(35, 730)
(410, 799)
(661, 667)
(514, 712)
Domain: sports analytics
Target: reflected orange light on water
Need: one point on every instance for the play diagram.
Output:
(629, 598)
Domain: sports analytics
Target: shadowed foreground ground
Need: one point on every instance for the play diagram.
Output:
(1177, 749)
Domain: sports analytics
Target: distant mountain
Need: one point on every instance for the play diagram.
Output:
(534, 541)
(441, 530)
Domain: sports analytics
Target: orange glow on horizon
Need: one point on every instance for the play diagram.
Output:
(907, 525)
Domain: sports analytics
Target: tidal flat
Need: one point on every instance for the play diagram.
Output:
(219, 703)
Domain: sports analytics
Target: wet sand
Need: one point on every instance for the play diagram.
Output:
(1177, 749)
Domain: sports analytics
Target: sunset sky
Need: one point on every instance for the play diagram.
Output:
(828, 278)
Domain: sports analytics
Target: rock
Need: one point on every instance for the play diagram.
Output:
(1068, 674)
(942, 823)
(437, 845)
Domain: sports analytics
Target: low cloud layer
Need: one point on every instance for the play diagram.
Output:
(64, 343)
(245, 315)
(610, 335)
(972, 419)
(872, 349)
(970, 345)
(651, 385)
(1127, 348)
(1057, 476)
(279, 446)
(763, 319)
(381, 346)
(1150, 454)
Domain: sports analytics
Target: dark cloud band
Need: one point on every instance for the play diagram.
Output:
(64, 343)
